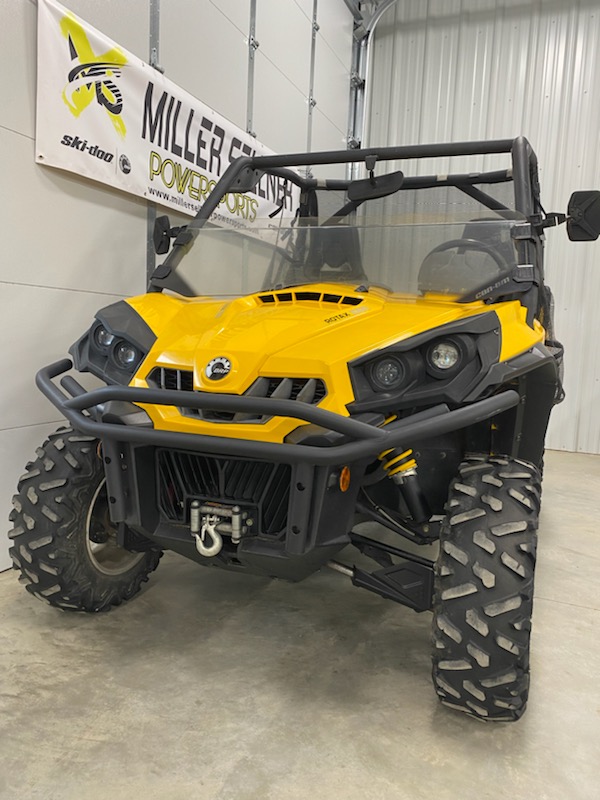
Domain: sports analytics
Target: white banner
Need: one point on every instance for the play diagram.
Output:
(107, 115)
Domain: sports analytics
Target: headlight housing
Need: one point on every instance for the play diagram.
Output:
(435, 366)
(115, 345)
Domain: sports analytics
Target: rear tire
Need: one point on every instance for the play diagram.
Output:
(484, 588)
(64, 543)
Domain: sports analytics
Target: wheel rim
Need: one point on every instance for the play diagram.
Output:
(106, 556)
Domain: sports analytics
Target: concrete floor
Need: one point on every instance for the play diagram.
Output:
(211, 685)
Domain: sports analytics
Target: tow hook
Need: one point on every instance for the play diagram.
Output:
(207, 524)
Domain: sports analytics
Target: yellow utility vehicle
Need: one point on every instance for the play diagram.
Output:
(380, 350)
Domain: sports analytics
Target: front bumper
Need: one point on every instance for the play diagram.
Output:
(360, 439)
(292, 490)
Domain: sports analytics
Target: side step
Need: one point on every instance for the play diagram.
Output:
(408, 581)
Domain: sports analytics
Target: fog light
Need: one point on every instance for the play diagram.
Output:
(126, 355)
(444, 355)
(387, 373)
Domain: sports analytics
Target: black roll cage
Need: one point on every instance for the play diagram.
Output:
(244, 172)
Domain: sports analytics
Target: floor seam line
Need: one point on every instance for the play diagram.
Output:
(563, 603)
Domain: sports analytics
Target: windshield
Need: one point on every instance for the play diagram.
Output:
(416, 257)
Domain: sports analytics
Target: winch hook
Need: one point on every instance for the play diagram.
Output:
(204, 528)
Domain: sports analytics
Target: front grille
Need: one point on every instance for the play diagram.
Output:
(260, 487)
(168, 378)
(304, 390)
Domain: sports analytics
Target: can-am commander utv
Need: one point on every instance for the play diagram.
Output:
(378, 348)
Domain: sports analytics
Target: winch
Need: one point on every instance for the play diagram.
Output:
(209, 522)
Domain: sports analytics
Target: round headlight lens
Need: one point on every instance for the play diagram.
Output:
(444, 355)
(103, 337)
(387, 373)
(126, 355)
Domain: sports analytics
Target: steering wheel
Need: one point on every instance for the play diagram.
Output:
(470, 244)
(458, 277)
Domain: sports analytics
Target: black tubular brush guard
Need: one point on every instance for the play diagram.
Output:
(365, 440)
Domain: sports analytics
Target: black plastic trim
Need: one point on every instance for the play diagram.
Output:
(501, 374)
(124, 320)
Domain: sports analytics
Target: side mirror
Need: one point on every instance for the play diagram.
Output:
(583, 216)
(161, 236)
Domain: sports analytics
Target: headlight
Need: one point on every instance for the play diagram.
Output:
(126, 355)
(394, 371)
(445, 358)
(102, 337)
(443, 355)
(387, 373)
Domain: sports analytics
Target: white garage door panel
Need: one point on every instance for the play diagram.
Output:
(280, 114)
(65, 232)
(275, 19)
(203, 52)
(40, 325)
(335, 26)
(331, 86)
(18, 49)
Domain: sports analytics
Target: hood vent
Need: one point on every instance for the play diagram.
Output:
(315, 297)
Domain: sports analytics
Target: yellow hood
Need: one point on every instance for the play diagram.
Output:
(283, 334)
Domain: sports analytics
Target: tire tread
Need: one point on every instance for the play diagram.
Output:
(484, 588)
(48, 516)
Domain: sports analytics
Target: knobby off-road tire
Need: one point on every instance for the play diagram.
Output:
(484, 588)
(63, 541)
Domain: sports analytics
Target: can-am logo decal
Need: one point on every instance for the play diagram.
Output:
(217, 368)
(92, 76)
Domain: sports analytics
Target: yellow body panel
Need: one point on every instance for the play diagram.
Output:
(298, 339)
(517, 336)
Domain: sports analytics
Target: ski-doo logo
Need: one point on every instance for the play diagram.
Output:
(84, 147)
(217, 368)
(92, 76)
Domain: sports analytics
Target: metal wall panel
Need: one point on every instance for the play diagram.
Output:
(487, 69)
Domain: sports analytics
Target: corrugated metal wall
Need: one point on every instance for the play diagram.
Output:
(452, 70)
